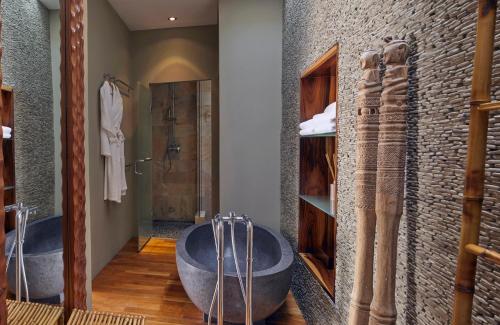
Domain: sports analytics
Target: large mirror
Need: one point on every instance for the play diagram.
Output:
(32, 148)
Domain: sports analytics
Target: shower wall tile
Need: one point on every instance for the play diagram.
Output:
(175, 174)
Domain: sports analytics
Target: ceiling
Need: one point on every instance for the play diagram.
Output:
(154, 14)
(50, 4)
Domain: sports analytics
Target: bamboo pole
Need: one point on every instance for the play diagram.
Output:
(391, 159)
(477, 250)
(476, 156)
(366, 175)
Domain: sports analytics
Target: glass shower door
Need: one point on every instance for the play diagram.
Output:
(143, 166)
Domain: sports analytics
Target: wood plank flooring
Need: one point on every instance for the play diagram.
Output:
(147, 283)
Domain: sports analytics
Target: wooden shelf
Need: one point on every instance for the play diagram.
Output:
(317, 222)
(320, 135)
(325, 276)
(321, 202)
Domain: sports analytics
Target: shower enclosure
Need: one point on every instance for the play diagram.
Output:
(174, 156)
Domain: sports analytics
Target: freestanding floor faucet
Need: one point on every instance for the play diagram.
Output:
(22, 215)
(218, 229)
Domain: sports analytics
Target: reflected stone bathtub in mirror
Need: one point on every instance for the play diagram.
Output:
(43, 260)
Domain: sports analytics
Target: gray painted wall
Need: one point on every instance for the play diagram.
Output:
(175, 54)
(55, 50)
(441, 36)
(250, 34)
(112, 224)
(143, 56)
(181, 54)
(26, 64)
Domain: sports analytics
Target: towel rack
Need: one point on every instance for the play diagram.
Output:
(116, 81)
(135, 163)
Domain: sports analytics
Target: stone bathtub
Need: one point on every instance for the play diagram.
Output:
(43, 259)
(197, 266)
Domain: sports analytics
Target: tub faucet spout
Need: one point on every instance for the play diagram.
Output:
(22, 215)
(218, 230)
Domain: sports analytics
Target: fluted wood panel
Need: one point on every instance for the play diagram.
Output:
(72, 97)
(73, 155)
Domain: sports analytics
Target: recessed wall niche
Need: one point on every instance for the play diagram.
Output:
(317, 212)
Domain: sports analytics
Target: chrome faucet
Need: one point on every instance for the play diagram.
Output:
(218, 229)
(22, 214)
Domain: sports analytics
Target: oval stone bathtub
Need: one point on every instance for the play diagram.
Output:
(197, 266)
(43, 258)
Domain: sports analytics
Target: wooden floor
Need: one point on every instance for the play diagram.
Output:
(147, 283)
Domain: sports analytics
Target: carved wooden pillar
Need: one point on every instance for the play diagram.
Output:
(73, 135)
(390, 180)
(366, 173)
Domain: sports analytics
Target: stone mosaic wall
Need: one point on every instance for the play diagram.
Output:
(441, 35)
(26, 64)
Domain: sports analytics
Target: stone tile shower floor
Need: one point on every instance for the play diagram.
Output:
(169, 229)
(147, 283)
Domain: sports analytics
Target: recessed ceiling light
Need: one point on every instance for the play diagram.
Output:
(172, 18)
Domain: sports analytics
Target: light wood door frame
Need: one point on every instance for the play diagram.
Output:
(73, 157)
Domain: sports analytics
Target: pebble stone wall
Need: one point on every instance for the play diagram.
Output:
(441, 35)
(26, 66)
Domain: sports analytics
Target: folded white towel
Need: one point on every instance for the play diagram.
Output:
(318, 130)
(332, 108)
(325, 116)
(6, 130)
(329, 115)
(329, 112)
(315, 123)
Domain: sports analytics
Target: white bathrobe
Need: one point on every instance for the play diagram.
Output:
(112, 143)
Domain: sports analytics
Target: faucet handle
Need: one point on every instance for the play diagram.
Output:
(11, 207)
(31, 210)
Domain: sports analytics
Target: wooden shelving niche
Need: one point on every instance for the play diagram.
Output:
(317, 215)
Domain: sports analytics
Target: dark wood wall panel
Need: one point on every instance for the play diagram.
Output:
(314, 96)
(3, 275)
(9, 172)
(313, 180)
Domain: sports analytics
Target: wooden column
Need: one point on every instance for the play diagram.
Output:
(391, 158)
(73, 153)
(368, 105)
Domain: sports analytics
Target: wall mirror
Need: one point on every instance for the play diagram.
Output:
(32, 148)
(42, 227)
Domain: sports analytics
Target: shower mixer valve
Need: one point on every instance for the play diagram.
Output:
(174, 147)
